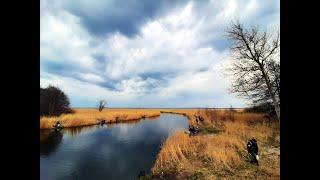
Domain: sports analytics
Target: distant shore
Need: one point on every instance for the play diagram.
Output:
(87, 117)
(91, 116)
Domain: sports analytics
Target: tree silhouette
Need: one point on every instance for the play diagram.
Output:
(102, 104)
(53, 102)
(256, 69)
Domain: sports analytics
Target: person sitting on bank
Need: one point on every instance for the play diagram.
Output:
(102, 122)
(193, 130)
(57, 125)
(252, 148)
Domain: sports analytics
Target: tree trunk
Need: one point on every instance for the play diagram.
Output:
(276, 106)
(270, 89)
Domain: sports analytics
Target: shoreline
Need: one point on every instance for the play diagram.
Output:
(90, 116)
(218, 151)
(77, 121)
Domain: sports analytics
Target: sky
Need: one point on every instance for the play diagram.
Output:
(145, 53)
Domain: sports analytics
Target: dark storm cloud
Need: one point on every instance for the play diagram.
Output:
(56, 68)
(103, 17)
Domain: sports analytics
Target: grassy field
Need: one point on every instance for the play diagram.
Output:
(219, 152)
(85, 117)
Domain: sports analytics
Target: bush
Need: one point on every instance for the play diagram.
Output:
(53, 102)
(266, 107)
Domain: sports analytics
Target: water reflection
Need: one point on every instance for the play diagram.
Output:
(112, 151)
(49, 141)
(73, 132)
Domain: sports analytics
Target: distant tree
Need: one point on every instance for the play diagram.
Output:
(102, 104)
(53, 102)
(256, 65)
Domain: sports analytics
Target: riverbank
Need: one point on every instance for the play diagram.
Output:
(87, 117)
(219, 152)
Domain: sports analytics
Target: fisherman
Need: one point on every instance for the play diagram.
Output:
(197, 119)
(193, 130)
(253, 150)
(57, 126)
(102, 122)
(201, 118)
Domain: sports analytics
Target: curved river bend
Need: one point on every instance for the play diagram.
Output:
(116, 151)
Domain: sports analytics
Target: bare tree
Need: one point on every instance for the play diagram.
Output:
(102, 104)
(255, 66)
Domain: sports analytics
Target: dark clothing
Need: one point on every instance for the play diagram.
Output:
(193, 130)
(102, 122)
(57, 126)
(253, 150)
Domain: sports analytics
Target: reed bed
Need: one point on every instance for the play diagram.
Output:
(221, 155)
(85, 117)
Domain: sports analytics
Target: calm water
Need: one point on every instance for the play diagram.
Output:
(118, 151)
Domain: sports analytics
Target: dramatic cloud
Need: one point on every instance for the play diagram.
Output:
(144, 53)
(101, 17)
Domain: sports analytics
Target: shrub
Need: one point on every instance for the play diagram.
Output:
(265, 107)
(53, 102)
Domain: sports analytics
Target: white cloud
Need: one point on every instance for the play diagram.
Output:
(77, 88)
(91, 77)
(171, 62)
(62, 39)
(163, 46)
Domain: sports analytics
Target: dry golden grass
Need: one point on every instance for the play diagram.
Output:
(211, 115)
(205, 156)
(84, 117)
(222, 155)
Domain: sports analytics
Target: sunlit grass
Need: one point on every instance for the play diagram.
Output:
(223, 154)
(218, 153)
(83, 117)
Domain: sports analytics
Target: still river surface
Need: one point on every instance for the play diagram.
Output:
(112, 151)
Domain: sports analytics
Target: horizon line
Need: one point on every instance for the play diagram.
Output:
(162, 107)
